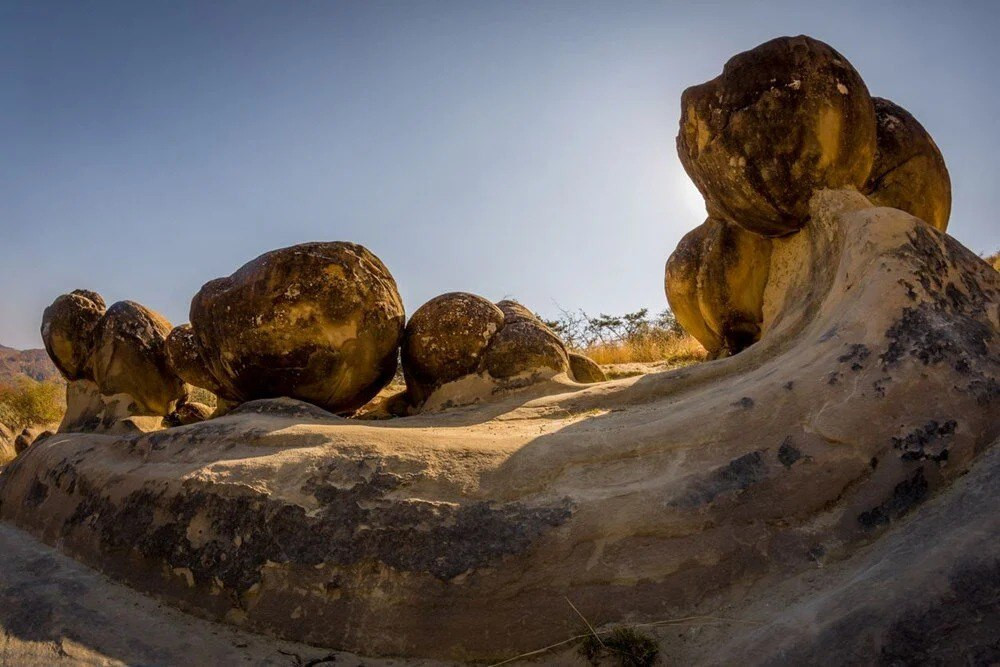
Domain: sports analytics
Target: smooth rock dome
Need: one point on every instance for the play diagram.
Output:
(319, 322)
(67, 330)
(129, 357)
(782, 120)
(909, 172)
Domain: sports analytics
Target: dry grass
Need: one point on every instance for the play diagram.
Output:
(653, 347)
(994, 260)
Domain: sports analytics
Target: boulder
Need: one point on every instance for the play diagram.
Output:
(129, 357)
(32, 434)
(909, 172)
(320, 322)
(445, 339)
(715, 283)
(459, 335)
(783, 119)
(584, 369)
(184, 355)
(67, 331)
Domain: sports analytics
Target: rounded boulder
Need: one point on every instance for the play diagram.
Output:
(782, 120)
(319, 322)
(909, 172)
(129, 357)
(67, 331)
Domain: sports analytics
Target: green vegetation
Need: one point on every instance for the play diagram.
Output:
(623, 646)
(26, 402)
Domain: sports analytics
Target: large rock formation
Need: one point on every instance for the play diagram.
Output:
(715, 282)
(783, 119)
(465, 349)
(319, 322)
(114, 360)
(909, 172)
(874, 387)
(826, 495)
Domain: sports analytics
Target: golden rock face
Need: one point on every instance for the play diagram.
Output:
(320, 322)
(715, 282)
(783, 119)
(909, 171)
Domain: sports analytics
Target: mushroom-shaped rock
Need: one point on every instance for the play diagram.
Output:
(184, 354)
(584, 369)
(319, 322)
(129, 357)
(715, 284)
(782, 120)
(445, 340)
(67, 331)
(909, 172)
(30, 435)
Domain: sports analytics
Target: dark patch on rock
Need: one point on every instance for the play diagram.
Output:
(789, 385)
(879, 385)
(36, 494)
(961, 627)
(737, 475)
(787, 453)
(856, 353)
(833, 378)
(284, 407)
(906, 495)
(926, 442)
(352, 524)
(746, 403)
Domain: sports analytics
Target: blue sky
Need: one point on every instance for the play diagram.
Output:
(519, 149)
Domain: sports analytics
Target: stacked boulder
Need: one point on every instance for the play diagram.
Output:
(783, 120)
(318, 322)
(114, 360)
(488, 346)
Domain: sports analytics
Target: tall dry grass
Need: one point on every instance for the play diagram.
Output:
(653, 347)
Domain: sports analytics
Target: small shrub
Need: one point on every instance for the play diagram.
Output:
(625, 646)
(27, 402)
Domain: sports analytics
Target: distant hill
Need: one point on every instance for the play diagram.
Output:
(34, 364)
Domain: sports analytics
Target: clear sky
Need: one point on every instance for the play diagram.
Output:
(519, 149)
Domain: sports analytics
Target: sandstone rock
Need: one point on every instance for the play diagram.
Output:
(909, 172)
(30, 435)
(67, 331)
(715, 282)
(584, 369)
(524, 346)
(783, 119)
(184, 355)
(870, 394)
(190, 413)
(129, 357)
(445, 339)
(460, 335)
(319, 322)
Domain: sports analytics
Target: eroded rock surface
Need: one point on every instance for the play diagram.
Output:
(909, 172)
(715, 282)
(874, 388)
(320, 322)
(782, 120)
(114, 360)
